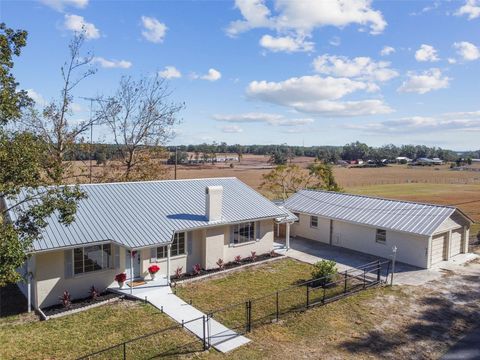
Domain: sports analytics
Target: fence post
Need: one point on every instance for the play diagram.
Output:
(308, 296)
(364, 280)
(378, 270)
(204, 334)
(324, 290)
(345, 289)
(249, 315)
(124, 351)
(277, 307)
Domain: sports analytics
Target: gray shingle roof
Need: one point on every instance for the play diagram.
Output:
(139, 214)
(411, 217)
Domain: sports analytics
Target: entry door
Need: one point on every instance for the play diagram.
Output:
(456, 242)
(136, 263)
(439, 248)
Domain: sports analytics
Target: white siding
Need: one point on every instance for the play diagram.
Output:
(303, 229)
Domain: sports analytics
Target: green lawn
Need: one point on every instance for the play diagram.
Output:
(22, 337)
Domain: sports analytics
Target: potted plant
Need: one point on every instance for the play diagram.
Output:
(120, 279)
(153, 269)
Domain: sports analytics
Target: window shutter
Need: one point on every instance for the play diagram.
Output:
(190, 243)
(68, 254)
(257, 230)
(153, 254)
(116, 253)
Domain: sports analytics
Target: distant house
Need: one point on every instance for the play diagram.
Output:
(229, 158)
(403, 160)
(423, 161)
(437, 161)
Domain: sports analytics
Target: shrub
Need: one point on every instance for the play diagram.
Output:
(273, 253)
(197, 268)
(325, 271)
(220, 264)
(179, 272)
(66, 299)
(121, 277)
(94, 293)
(153, 269)
(238, 259)
(253, 255)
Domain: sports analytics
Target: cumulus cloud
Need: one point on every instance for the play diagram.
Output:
(426, 53)
(211, 75)
(170, 72)
(153, 30)
(359, 67)
(232, 129)
(37, 97)
(286, 44)
(387, 50)
(111, 64)
(60, 5)
(467, 50)
(471, 9)
(425, 82)
(448, 121)
(78, 24)
(267, 118)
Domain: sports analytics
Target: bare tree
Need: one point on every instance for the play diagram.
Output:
(141, 117)
(53, 124)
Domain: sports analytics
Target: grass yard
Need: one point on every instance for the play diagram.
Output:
(23, 337)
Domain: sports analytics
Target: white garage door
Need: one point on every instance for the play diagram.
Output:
(439, 243)
(456, 243)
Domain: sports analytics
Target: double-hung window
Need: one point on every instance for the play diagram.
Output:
(243, 233)
(178, 247)
(381, 236)
(92, 258)
(314, 221)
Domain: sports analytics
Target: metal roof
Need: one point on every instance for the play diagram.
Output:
(405, 216)
(140, 214)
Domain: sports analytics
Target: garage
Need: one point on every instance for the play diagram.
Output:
(456, 242)
(439, 248)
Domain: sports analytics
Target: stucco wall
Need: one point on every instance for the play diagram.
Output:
(303, 229)
(51, 282)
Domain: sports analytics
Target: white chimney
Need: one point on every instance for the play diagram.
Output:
(213, 203)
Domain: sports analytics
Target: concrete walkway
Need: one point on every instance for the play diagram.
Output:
(160, 295)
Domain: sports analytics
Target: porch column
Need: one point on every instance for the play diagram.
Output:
(287, 235)
(169, 247)
(466, 235)
(131, 272)
(29, 286)
(278, 230)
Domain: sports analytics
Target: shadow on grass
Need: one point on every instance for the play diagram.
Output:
(441, 319)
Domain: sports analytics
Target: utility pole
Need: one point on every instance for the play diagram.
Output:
(176, 161)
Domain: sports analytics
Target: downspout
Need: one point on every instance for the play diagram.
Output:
(131, 271)
(29, 286)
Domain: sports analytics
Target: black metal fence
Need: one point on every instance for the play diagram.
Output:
(244, 316)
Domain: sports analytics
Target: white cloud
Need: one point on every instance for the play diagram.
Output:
(471, 8)
(344, 108)
(60, 5)
(449, 121)
(425, 82)
(286, 44)
(267, 118)
(359, 67)
(387, 50)
(76, 108)
(451, 61)
(111, 64)
(467, 51)
(426, 53)
(154, 31)
(302, 18)
(78, 24)
(232, 129)
(212, 75)
(335, 41)
(170, 72)
(37, 97)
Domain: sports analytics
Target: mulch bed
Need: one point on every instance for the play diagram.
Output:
(229, 265)
(78, 304)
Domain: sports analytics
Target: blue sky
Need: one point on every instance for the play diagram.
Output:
(296, 72)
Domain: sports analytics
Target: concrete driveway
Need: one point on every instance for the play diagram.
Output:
(311, 251)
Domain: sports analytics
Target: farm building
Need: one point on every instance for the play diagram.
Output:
(424, 234)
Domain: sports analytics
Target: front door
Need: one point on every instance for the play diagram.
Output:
(135, 257)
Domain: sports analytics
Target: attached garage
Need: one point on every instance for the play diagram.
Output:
(424, 234)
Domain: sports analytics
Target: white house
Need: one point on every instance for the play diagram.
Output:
(126, 227)
(424, 234)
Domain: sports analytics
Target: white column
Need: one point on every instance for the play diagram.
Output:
(169, 247)
(131, 271)
(29, 286)
(287, 236)
(278, 229)
(466, 235)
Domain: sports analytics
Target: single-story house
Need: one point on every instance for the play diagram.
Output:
(403, 159)
(126, 227)
(423, 234)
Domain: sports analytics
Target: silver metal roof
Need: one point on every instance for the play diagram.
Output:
(140, 214)
(405, 216)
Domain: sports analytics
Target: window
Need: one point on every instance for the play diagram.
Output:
(381, 236)
(178, 247)
(243, 232)
(314, 221)
(92, 258)
(298, 217)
